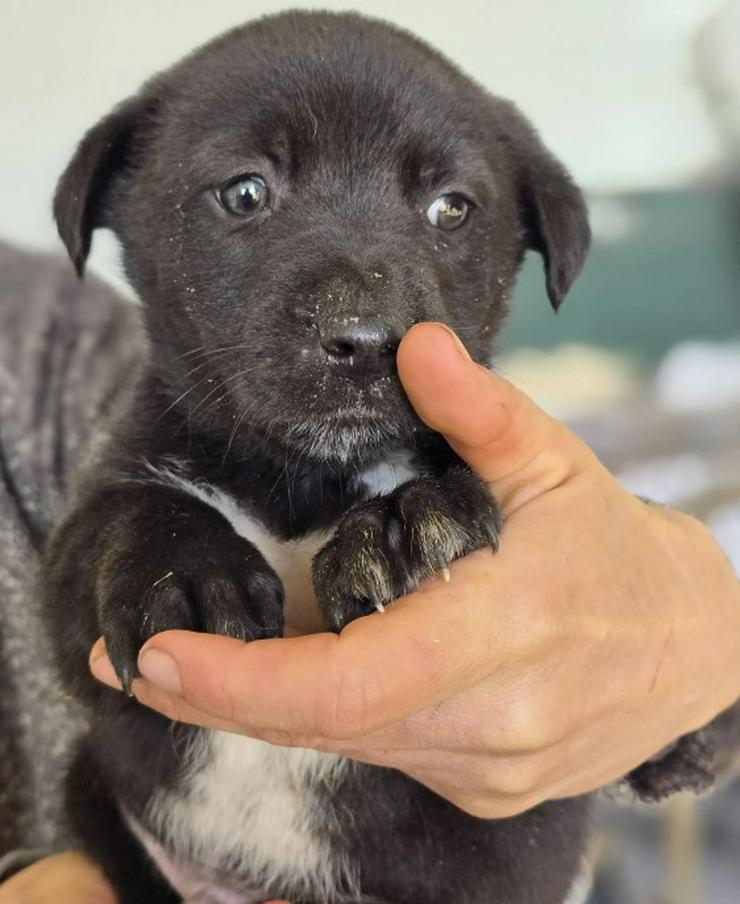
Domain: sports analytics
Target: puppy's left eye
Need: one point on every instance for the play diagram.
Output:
(448, 211)
(244, 196)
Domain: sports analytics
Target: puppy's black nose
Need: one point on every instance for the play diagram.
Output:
(362, 351)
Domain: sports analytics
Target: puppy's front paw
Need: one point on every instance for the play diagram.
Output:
(387, 546)
(234, 593)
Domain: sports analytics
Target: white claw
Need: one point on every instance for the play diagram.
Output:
(446, 574)
(380, 607)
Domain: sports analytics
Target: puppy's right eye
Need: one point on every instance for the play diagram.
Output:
(244, 196)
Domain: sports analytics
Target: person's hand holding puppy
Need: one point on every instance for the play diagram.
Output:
(69, 876)
(601, 631)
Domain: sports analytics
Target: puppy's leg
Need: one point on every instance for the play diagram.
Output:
(387, 546)
(140, 559)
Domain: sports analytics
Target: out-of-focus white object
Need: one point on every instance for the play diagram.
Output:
(571, 380)
(613, 220)
(670, 480)
(699, 375)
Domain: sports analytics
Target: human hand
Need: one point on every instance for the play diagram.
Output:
(601, 631)
(69, 877)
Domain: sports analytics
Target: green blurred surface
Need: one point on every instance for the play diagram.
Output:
(674, 277)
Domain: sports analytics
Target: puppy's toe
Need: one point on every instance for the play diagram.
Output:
(354, 573)
(129, 618)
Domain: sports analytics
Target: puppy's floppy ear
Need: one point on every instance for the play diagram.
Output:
(554, 213)
(82, 194)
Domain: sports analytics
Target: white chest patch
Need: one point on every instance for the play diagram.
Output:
(249, 814)
(385, 476)
(581, 886)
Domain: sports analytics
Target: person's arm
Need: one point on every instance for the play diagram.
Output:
(603, 629)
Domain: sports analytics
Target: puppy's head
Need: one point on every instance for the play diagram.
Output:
(293, 197)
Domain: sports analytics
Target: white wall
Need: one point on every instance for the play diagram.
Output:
(608, 82)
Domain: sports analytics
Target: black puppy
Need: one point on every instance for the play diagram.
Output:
(290, 200)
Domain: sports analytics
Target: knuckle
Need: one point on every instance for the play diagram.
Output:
(539, 625)
(491, 807)
(346, 708)
(530, 726)
(228, 705)
(515, 806)
(514, 778)
(282, 738)
(481, 808)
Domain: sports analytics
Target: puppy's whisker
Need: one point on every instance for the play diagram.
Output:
(204, 350)
(233, 378)
(180, 398)
(192, 351)
(221, 384)
(237, 423)
(211, 407)
(205, 398)
(221, 355)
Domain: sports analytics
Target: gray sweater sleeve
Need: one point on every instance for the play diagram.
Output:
(67, 349)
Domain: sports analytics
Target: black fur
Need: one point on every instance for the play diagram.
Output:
(356, 127)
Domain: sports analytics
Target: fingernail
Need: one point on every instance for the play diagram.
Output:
(98, 650)
(161, 670)
(458, 342)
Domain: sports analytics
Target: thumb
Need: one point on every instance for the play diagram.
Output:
(518, 449)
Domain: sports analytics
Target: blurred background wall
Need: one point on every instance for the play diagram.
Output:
(641, 99)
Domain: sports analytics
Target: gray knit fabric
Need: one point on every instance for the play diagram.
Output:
(67, 352)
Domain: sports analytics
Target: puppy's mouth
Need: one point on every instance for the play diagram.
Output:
(372, 421)
(332, 419)
(343, 436)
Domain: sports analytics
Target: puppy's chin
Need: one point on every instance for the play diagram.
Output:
(349, 435)
(340, 422)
